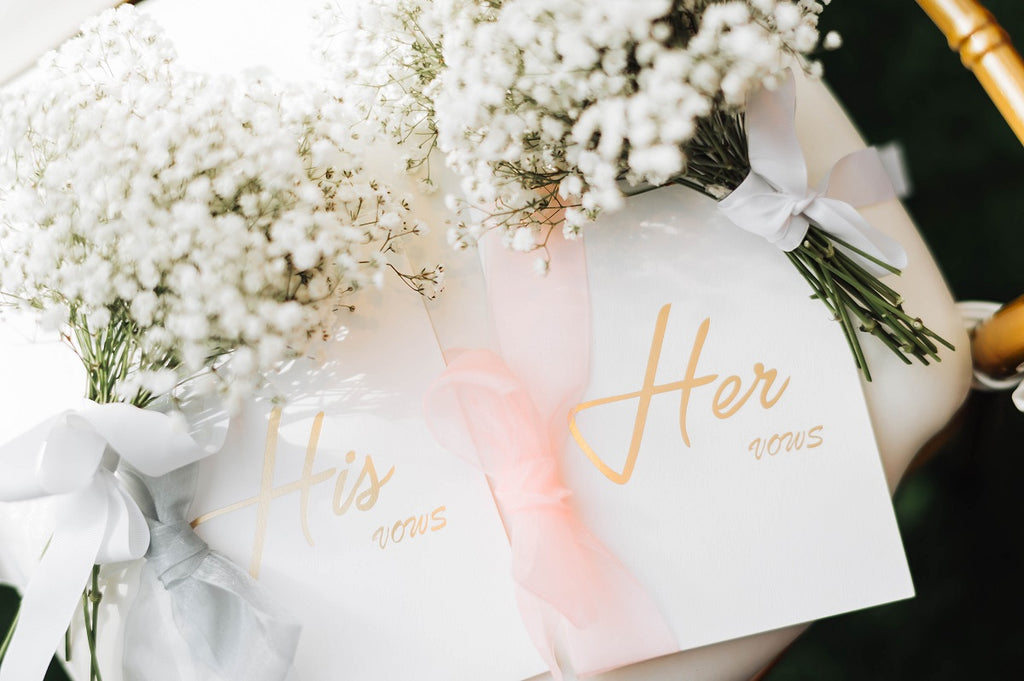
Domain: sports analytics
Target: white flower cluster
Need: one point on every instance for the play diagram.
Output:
(536, 103)
(208, 215)
(386, 56)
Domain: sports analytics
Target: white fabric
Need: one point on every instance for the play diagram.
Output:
(73, 456)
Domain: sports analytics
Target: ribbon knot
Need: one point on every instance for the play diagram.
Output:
(776, 203)
(800, 206)
(507, 415)
(531, 484)
(480, 411)
(226, 620)
(176, 551)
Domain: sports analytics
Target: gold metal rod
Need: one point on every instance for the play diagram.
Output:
(998, 344)
(985, 49)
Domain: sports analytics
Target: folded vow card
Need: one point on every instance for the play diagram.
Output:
(386, 548)
(723, 448)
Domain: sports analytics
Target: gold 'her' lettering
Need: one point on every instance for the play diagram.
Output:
(364, 492)
(724, 404)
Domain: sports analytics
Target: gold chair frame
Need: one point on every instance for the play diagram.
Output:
(985, 48)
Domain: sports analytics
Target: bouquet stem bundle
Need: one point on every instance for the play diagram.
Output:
(858, 300)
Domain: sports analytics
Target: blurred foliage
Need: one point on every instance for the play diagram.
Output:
(8, 606)
(959, 513)
(898, 79)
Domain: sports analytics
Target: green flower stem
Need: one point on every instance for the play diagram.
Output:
(885, 311)
(878, 307)
(95, 596)
(909, 331)
(844, 316)
(812, 281)
(10, 635)
(90, 636)
(110, 355)
(90, 612)
(867, 256)
(717, 160)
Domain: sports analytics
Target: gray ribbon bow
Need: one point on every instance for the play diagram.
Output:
(225, 618)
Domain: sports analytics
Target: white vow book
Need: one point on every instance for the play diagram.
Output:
(723, 448)
(388, 549)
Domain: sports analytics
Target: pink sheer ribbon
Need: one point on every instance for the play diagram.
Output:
(508, 415)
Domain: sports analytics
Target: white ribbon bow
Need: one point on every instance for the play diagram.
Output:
(73, 456)
(775, 201)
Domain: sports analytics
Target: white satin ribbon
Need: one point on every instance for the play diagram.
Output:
(775, 201)
(72, 456)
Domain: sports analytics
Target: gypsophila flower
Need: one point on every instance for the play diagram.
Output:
(534, 102)
(178, 218)
(549, 112)
(385, 55)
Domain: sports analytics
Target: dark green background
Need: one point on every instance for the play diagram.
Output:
(959, 514)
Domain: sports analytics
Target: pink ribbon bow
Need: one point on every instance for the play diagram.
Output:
(509, 417)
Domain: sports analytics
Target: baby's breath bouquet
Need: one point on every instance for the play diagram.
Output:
(168, 221)
(576, 104)
(172, 225)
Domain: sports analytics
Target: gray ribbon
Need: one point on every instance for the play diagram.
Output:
(225, 618)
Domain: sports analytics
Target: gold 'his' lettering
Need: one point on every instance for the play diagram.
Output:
(365, 492)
